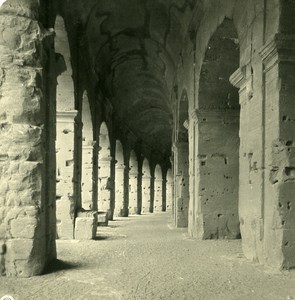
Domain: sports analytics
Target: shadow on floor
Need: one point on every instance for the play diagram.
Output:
(59, 265)
(102, 238)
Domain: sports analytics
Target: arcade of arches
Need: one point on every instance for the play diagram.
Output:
(111, 108)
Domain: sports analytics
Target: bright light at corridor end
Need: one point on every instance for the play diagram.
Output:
(2, 2)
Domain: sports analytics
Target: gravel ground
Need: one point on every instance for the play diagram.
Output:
(143, 257)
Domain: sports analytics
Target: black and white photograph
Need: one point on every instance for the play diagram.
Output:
(147, 149)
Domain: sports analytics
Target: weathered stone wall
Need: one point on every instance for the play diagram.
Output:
(65, 206)
(279, 181)
(27, 162)
(255, 25)
(181, 185)
(218, 174)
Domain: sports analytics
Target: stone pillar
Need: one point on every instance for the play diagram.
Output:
(193, 142)
(139, 186)
(104, 192)
(152, 194)
(104, 172)
(133, 176)
(169, 190)
(87, 172)
(146, 187)
(250, 161)
(278, 206)
(181, 182)
(158, 198)
(65, 205)
(27, 139)
(119, 181)
(87, 155)
(216, 213)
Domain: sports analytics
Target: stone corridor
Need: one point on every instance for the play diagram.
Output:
(144, 257)
(118, 117)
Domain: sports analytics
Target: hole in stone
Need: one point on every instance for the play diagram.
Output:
(69, 163)
(203, 163)
(225, 160)
(286, 244)
(66, 131)
(283, 223)
(219, 215)
(284, 118)
(289, 143)
(280, 205)
(288, 205)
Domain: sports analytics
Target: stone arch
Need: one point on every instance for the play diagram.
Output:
(104, 170)
(217, 133)
(65, 134)
(133, 183)
(158, 197)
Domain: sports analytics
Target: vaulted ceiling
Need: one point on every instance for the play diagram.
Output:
(133, 49)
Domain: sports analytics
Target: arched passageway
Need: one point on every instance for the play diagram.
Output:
(131, 61)
(65, 135)
(217, 130)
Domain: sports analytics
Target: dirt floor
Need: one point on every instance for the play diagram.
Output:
(144, 257)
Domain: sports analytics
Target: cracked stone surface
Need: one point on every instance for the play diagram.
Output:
(143, 257)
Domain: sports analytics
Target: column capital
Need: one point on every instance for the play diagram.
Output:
(66, 116)
(105, 159)
(158, 179)
(238, 78)
(216, 115)
(281, 48)
(179, 144)
(87, 144)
